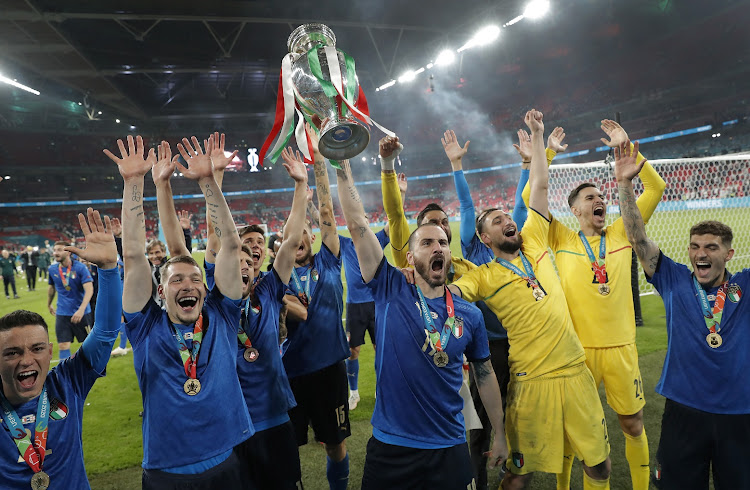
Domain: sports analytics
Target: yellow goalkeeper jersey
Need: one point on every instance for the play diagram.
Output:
(540, 333)
(399, 228)
(602, 320)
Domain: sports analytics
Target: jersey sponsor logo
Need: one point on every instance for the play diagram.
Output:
(458, 327)
(521, 374)
(58, 409)
(734, 293)
(518, 459)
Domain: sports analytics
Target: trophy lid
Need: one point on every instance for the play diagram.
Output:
(303, 38)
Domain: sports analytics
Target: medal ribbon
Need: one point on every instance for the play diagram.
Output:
(712, 317)
(33, 454)
(298, 285)
(190, 357)
(242, 334)
(64, 278)
(438, 339)
(599, 267)
(529, 276)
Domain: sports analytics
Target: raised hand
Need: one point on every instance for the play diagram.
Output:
(310, 193)
(164, 166)
(116, 226)
(534, 120)
(184, 217)
(199, 163)
(100, 242)
(218, 157)
(313, 138)
(453, 150)
(132, 162)
(524, 145)
(294, 165)
(617, 135)
(402, 184)
(626, 167)
(554, 141)
(390, 147)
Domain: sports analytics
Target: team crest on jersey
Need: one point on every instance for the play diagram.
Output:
(518, 459)
(314, 275)
(458, 327)
(734, 293)
(58, 409)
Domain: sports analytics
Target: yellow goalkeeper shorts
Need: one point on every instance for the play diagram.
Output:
(618, 368)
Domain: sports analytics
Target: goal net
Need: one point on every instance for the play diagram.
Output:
(716, 188)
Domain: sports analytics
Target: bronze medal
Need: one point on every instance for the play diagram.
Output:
(40, 481)
(604, 289)
(192, 387)
(440, 359)
(251, 354)
(714, 340)
(538, 294)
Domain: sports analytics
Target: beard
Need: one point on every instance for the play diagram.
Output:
(511, 246)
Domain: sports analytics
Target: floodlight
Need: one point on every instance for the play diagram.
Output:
(408, 76)
(536, 9)
(364, 159)
(7, 177)
(18, 85)
(446, 57)
(484, 36)
(100, 113)
(385, 86)
(117, 121)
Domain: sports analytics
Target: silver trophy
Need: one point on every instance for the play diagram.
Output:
(341, 136)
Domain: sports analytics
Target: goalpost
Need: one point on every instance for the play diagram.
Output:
(716, 188)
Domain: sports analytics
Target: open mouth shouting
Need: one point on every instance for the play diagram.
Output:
(599, 210)
(437, 264)
(187, 303)
(510, 231)
(245, 279)
(27, 379)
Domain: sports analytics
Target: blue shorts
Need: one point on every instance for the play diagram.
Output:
(65, 330)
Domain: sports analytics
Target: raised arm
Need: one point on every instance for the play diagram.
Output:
(455, 153)
(102, 252)
(220, 161)
(489, 392)
(369, 251)
(627, 166)
(185, 218)
(161, 172)
(133, 166)
(328, 231)
(538, 172)
(295, 224)
(227, 274)
(392, 202)
(554, 146)
(311, 209)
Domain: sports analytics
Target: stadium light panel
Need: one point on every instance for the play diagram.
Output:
(408, 76)
(385, 86)
(7, 177)
(364, 159)
(484, 36)
(117, 121)
(536, 9)
(18, 85)
(100, 113)
(446, 57)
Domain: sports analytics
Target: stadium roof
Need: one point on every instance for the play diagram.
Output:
(160, 63)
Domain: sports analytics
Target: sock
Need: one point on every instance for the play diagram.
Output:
(636, 452)
(563, 479)
(352, 371)
(591, 484)
(338, 473)
(64, 354)
(123, 337)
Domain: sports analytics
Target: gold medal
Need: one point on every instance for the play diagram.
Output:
(440, 359)
(40, 481)
(604, 289)
(192, 387)
(251, 354)
(714, 340)
(67, 288)
(538, 294)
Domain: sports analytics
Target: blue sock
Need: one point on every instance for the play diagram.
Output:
(352, 370)
(338, 473)
(64, 354)
(123, 336)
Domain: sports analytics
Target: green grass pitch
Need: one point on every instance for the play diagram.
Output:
(112, 427)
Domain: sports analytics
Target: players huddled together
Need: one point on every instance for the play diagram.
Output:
(235, 364)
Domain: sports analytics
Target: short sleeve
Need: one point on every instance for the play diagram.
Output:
(665, 274)
(479, 349)
(558, 233)
(139, 324)
(535, 234)
(327, 258)
(270, 286)
(383, 238)
(210, 269)
(85, 274)
(388, 281)
(470, 285)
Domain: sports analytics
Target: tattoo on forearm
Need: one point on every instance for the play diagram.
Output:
(635, 227)
(362, 231)
(481, 371)
(327, 223)
(217, 230)
(136, 194)
(208, 192)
